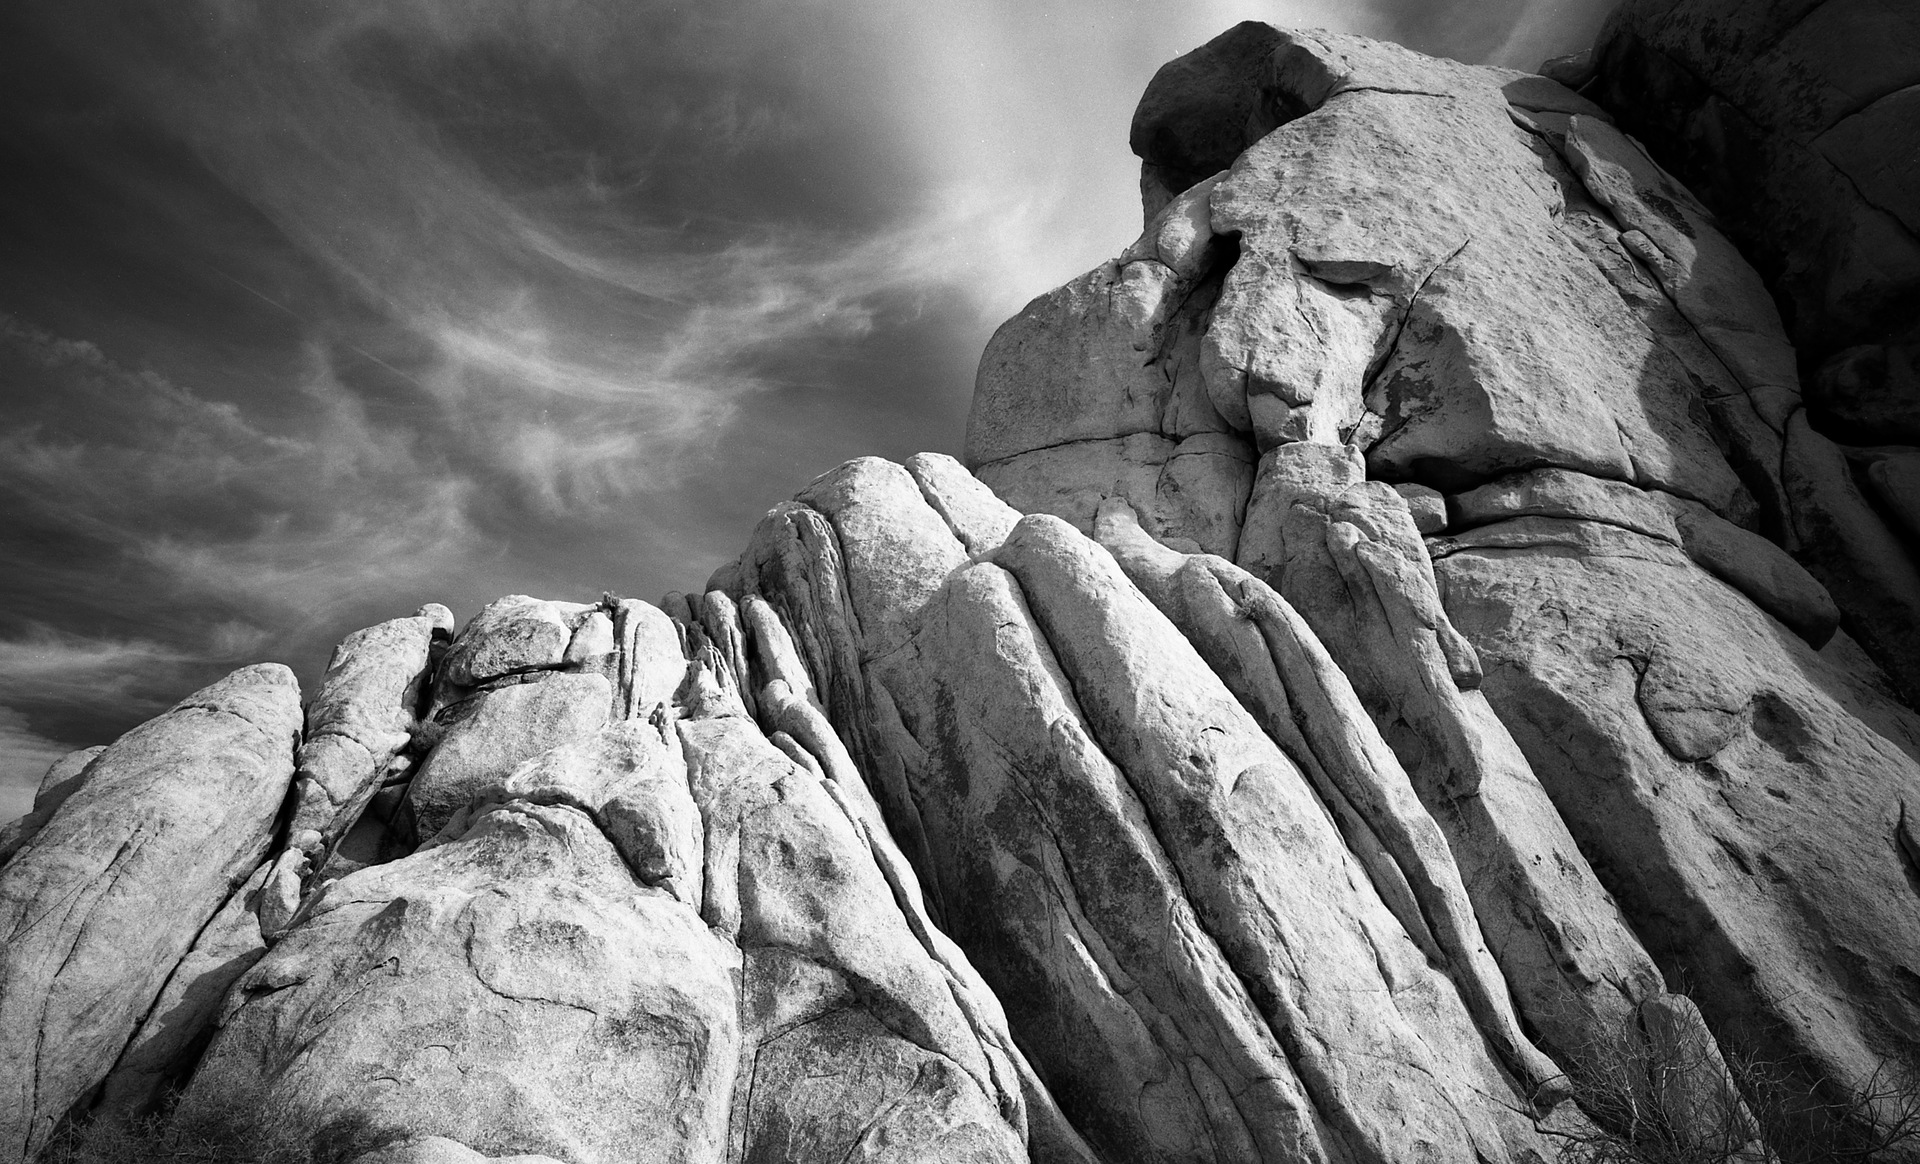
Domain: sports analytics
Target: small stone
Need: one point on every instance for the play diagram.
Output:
(515, 633)
(280, 895)
(592, 641)
(1428, 507)
(439, 617)
(1572, 70)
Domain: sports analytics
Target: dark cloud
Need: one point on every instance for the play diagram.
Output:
(311, 313)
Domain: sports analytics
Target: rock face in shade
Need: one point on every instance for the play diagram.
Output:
(106, 899)
(167, 1046)
(1798, 124)
(1400, 643)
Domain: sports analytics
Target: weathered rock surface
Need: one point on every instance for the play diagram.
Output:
(99, 909)
(516, 990)
(1064, 765)
(489, 734)
(167, 1046)
(1399, 650)
(440, 1150)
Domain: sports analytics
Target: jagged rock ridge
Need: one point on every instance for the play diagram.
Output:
(1360, 684)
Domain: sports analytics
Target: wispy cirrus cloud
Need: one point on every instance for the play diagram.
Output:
(167, 537)
(310, 313)
(45, 662)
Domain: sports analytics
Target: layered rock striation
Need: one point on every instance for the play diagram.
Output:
(1374, 676)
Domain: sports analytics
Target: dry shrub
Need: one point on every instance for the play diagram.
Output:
(1662, 1094)
(232, 1130)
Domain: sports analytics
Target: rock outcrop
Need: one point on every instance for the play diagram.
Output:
(1529, 440)
(1395, 654)
(1798, 124)
(106, 899)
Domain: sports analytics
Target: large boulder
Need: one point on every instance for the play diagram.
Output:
(488, 734)
(364, 718)
(1798, 126)
(517, 990)
(1399, 277)
(108, 898)
(1711, 768)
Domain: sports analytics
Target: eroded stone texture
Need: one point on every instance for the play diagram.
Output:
(855, 1034)
(493, 731)
(62, 778)
(1470, 282)
(167, 1046)
(1345, 554)
(676, 934)
(440, 1150)
(1096, 391)
(1749, 563)
(516, 633)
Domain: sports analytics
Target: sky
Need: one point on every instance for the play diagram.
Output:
(313, 312)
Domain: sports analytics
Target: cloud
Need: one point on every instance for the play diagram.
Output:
(323, 311)
(164, 476)
(48, 664)
(166, 538)
(593, 297)
(24, 758)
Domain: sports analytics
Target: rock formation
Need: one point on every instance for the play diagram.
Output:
(1798, 124)
(1388, 656)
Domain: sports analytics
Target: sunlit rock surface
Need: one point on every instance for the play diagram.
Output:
(1384, 660)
